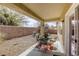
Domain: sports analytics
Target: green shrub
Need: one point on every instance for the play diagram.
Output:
(8, 17)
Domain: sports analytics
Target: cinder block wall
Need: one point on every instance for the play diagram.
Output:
(52, 31)
(13, 31)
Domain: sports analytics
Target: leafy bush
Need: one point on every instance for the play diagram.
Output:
(8, 17)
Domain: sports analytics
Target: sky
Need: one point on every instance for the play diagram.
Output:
(51, 23)
(30, 22)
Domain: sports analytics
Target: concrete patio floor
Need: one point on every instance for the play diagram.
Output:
(36, 52)
(32, 51)
(16, 46)
(25, 46)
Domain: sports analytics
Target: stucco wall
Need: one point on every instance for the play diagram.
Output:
(67, 28)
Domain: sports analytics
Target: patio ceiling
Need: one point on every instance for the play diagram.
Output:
(43, 11)
(49, 11)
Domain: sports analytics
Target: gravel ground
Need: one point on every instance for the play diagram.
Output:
(16, 46)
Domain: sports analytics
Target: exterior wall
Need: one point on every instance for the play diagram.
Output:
(12, 31)
(76, 32)
(67, 28)
(66, 43)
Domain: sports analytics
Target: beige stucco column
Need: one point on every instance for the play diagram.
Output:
(63, 32)
(42, 28)
(59, 32)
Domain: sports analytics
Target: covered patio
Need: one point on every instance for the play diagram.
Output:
(20, 39)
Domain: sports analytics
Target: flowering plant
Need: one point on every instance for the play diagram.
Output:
(44, 45)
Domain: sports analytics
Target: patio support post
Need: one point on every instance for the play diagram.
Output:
(42, 27)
